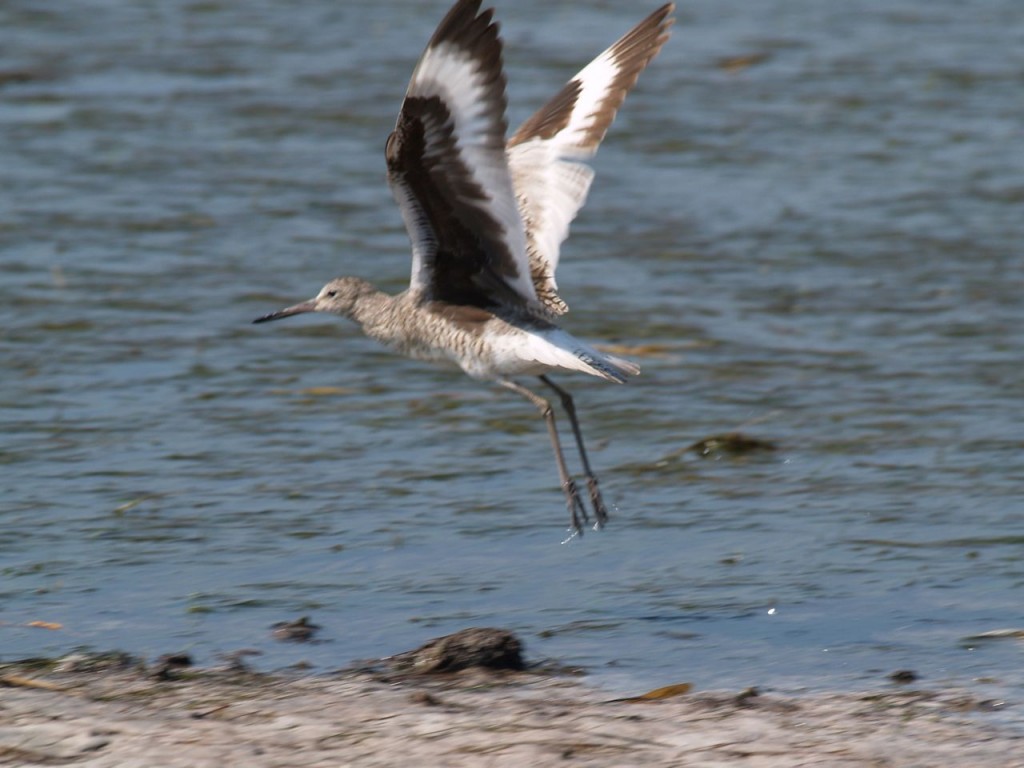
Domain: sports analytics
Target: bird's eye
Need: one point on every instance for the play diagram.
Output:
(332, 294)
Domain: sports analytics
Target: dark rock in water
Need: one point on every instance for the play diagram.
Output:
(731, 444)
(475, 647)
(299, 631)
(904, 676)
(17, 76)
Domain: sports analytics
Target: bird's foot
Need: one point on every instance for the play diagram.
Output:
(578, 516)
(600, 510)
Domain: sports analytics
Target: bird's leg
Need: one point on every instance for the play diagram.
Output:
(600, 511)
(577, 512)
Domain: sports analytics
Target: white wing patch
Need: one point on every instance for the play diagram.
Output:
(448, 73)
(552, 182)
(551, 192)
(547, 153)
(598, 83)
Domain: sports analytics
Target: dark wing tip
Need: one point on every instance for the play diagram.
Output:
(464, 25)
(645, 40)
(468, 254)
(631, 53)
(478, 36)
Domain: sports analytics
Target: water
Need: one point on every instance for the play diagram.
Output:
(820, 247)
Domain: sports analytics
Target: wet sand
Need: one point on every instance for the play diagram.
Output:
(128, 715)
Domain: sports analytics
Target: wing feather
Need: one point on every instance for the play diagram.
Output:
(546, 154)
(449, 173)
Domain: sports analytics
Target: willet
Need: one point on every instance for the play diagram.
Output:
(486, 219)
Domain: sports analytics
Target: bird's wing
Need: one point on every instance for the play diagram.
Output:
(448, 169)
(546, 154)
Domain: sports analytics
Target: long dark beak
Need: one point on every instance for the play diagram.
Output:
(298, 309)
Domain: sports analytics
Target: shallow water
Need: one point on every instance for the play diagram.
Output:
(806, 226)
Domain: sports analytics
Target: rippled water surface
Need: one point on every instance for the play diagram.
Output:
(806, 227)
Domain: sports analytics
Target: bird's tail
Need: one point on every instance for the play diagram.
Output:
(558, 349)
(607, 366)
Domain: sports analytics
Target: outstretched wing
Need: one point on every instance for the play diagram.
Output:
(448, 169)
(546, 153)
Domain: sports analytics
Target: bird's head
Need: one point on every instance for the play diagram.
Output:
(339, 297)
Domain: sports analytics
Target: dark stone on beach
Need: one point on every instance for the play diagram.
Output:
(477, 647)
(746, 698)
(169, 664)
(88, 661)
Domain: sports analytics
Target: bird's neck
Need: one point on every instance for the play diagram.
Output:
(373, 310)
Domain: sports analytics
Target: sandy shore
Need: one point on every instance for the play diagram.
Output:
(127, 715)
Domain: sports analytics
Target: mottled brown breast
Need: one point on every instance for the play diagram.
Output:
(467, 318)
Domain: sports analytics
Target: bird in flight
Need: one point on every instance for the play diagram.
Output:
(487, 215)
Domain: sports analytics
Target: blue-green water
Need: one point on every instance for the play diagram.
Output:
(818, 245)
